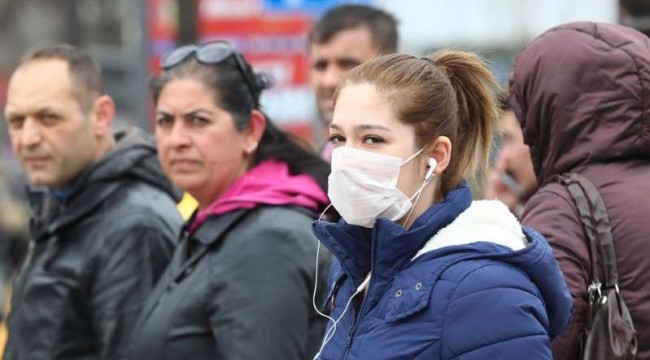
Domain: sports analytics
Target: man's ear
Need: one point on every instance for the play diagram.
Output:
(440, 149)
(104, 111)
(255, 130)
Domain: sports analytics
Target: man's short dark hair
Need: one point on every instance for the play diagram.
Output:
(382, 25)
(85, 72)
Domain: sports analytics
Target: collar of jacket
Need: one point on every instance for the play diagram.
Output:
(215, 226)
(193, 246)
(50, 215)
(132, 159)
(484, 221)
(388, 247)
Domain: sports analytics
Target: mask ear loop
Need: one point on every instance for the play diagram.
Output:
(427, 179)
(411, 157)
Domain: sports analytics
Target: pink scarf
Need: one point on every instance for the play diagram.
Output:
(268, 183)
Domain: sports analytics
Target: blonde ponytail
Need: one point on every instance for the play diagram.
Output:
(476, 90)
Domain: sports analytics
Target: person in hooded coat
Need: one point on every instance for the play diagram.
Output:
(581, 92)
(422, 271)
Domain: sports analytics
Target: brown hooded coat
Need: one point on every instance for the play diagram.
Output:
(581, 92)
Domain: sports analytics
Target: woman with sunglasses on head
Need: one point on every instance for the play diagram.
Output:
(240, 283)
(422, 271)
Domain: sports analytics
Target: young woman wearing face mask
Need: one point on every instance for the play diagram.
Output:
(240, 283)
(422, 271)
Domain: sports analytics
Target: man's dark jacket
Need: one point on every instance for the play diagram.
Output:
(582, 94)
(98, 248)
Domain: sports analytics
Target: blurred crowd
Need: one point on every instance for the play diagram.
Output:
(445, 215)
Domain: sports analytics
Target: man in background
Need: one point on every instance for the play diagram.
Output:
(512, 179)
(343, 38)
(104, 215)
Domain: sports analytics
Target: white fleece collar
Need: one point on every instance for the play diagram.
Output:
(484, 220)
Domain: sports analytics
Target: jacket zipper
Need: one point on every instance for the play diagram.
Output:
(362, 309)
(30, 255)
(353, 329)
(27, 266)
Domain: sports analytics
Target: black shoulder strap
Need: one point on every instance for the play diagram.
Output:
(595, 220)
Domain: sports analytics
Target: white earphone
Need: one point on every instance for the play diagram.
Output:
(364, 283)
(329, 334)
(432, 167)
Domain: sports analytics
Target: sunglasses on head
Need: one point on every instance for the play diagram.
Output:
(210, 53)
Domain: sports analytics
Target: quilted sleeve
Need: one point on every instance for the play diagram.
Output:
(495, 312)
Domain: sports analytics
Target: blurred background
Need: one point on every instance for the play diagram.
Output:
(128, 37)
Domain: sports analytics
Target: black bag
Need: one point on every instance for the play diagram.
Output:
(609, 332)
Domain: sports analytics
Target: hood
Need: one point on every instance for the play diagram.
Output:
(134, 156)
(268, 183)
(485, 219)
(581, 94)
(489, 222)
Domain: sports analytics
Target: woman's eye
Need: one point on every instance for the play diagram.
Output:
(199, 121)
(336, 139)
(164, 121)
(373, 140)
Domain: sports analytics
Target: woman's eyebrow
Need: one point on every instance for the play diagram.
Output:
(363, 127)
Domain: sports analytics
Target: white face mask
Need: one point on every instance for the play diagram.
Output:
(363, 186)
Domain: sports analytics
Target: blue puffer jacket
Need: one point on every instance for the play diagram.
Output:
(465, 282)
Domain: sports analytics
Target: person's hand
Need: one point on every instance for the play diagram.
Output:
(504, 188)
(512, 179)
